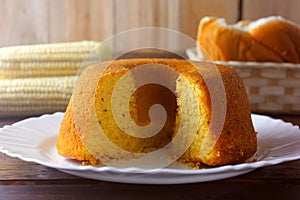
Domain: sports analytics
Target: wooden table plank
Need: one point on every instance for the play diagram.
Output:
(212, 190)
(16, 169)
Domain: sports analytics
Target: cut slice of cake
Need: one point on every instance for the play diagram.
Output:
(189, 115)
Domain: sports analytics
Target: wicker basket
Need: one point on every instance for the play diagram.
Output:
(272, 88)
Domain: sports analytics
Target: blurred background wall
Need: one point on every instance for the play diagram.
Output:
(48, 21)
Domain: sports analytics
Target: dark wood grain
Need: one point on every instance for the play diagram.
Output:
(8, 121)
(26, 180)
(288, 118)
(215, 190)
(14, 168)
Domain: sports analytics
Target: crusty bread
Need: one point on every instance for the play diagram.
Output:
(237, 140)
(271, 39)
(278, 34)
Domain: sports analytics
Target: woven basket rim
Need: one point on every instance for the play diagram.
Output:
(192, 55)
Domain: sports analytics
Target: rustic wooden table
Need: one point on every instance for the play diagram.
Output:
(26, 180)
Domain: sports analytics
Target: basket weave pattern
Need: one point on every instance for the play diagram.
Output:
(271, 87)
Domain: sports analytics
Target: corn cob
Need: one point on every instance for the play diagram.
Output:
(59, 59)
(35, 96)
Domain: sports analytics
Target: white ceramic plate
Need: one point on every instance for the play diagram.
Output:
(34, 140)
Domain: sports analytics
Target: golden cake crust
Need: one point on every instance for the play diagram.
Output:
(237, 141)
(69, 143)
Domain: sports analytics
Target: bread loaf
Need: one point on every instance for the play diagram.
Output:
(271, 39)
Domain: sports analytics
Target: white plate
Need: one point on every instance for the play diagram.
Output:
(34, 140)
